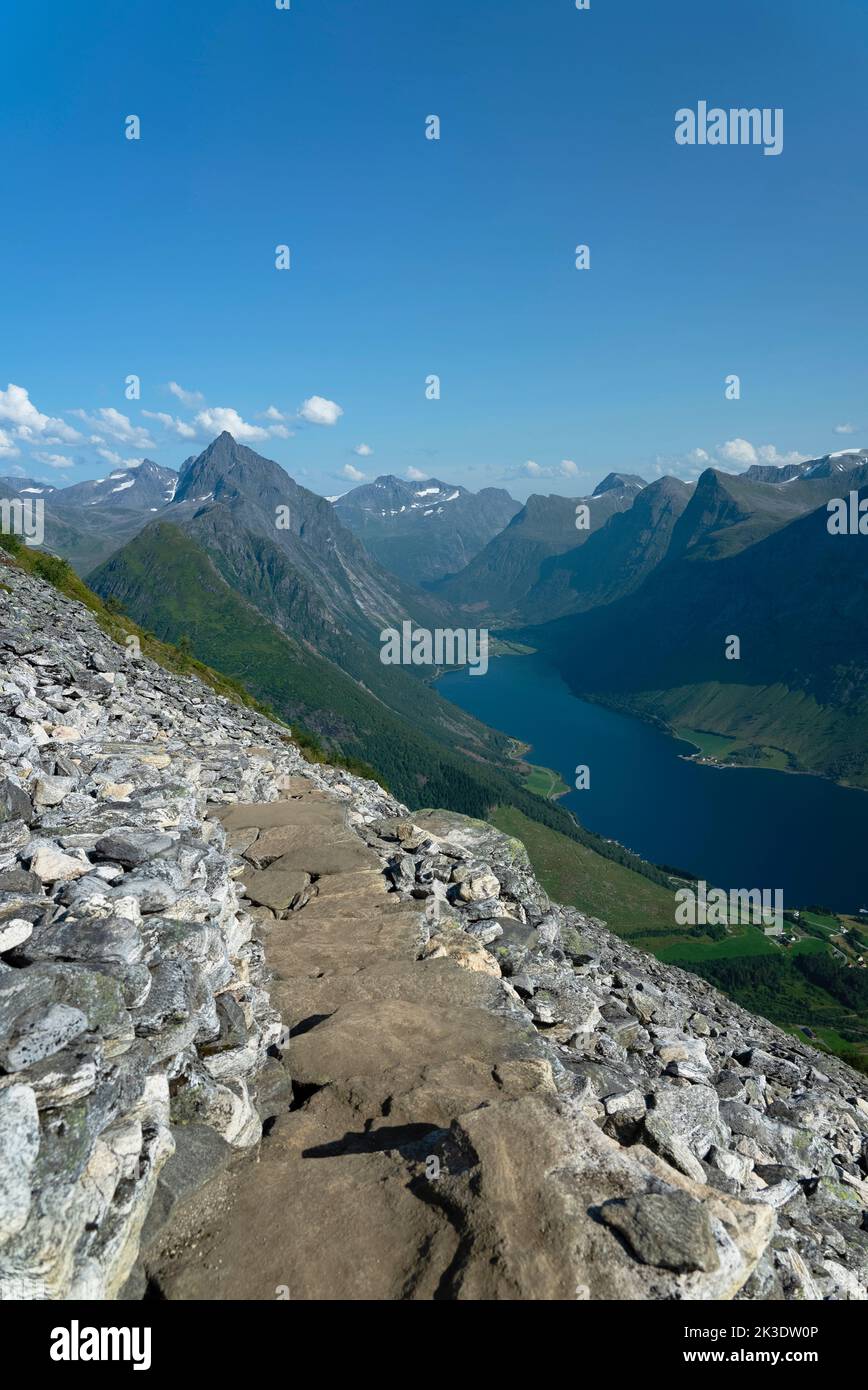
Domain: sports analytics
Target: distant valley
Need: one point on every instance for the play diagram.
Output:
(288, 593)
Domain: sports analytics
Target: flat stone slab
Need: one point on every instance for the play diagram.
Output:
(265, 815)
(272, 843)
(276, 888)
(315, 855)
(368, 1037)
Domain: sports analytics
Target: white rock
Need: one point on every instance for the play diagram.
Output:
(12, 933)
(50, 791)
(19, 1145)
(127, 907)
(116, 791)
(732, 1165)
(52, 865)
(477, 887)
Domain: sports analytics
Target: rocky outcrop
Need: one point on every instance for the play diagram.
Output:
(491, 1096)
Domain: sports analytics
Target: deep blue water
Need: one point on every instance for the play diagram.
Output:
(735, 827)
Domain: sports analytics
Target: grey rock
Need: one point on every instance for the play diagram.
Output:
(132, 847)
(19, 1146)
(14, 835)
(38, 1032)
(15, 804)
(669, 1230)
(798, 1148)
(837, 1201)
(20, 881)
(690, 1113)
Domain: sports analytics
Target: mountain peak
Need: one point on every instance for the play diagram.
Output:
(630, 482)
(226, 468)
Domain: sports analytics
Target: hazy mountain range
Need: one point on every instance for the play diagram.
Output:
(262, 579)
(87, 521)
(289, 591)
(424, 530)
(497, 582)
(742, 557)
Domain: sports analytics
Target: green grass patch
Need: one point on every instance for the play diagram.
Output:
(809, 945)
(825, 920)
(574, 874)
(710, 745)
(735, 752)
(748, 942)
(542, 781)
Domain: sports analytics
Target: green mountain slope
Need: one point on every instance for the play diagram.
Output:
(498, 581)
(432, 754)
(798, 602)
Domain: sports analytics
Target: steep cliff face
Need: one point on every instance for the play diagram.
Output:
(491, 1096)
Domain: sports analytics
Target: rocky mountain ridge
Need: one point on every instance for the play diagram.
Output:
(211, 950)
(427, 529)
(497, 581)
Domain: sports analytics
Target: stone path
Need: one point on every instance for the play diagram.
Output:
(426, 1154)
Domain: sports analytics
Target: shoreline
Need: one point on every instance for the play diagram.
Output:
(659, 723)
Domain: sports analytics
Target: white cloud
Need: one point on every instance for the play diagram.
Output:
(732, 457)
(567, 468)
(30, 424)
(742, 452)
(416, 475)
(350, 471)
(364, 451)
(121, 427)
(171, 422)
(189, 398)
(278, 430)
(845, 429)
(316, 410)
(738, 451)
(117, 461)
(769, 454)
(218, 418)
(55, 460)
(118, 427)
(8, 447)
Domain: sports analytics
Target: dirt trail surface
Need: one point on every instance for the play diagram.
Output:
(428, 1154)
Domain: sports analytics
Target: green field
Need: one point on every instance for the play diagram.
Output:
(573, 874)
(710, 745)
(745, 941)
(544, 782)
(824, 920)
(726, 749)
(807, 946)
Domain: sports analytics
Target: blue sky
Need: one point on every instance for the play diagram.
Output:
(413, 257)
